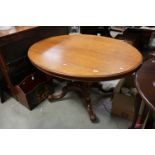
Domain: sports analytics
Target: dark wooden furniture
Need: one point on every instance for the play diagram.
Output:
(145, 79)
(84, 60)
(33, 89)
(102, 30)
(14, 44)
(139, 37)
(145, 84)
(1, 89)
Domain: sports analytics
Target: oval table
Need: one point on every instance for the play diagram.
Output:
(84, 60)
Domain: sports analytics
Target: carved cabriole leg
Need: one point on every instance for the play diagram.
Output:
(86, 94)
(83, 89)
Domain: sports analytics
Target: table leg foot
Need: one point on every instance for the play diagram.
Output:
(59, 96)
(92, 115)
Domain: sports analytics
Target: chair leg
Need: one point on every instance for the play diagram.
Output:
(136, 108)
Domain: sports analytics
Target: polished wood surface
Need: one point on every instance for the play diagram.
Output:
(85, 57)
(145, 82)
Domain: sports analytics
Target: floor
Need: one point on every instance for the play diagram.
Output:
(68, 113)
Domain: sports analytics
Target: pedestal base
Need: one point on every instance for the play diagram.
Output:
(83, 89)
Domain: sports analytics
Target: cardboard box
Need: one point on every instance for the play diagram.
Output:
(123, 105)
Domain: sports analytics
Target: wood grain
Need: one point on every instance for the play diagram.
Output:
(86, 57)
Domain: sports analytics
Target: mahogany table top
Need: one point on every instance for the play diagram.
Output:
(85, 57)
(145, 82)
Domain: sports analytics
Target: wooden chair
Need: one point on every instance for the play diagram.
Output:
(143, 117)
(138, 37)
(131, 36)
